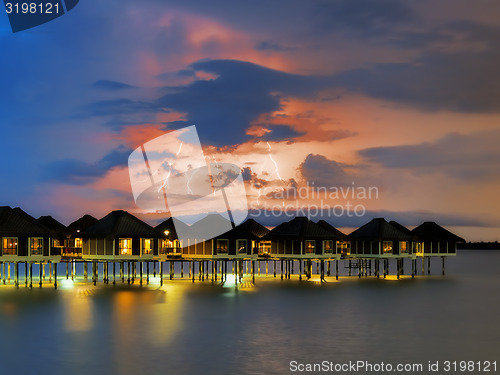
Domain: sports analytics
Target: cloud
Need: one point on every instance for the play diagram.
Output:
(224, 107)
(78, 172)
(467, 157)
(111, 85)
(272, 46)
(362, 17)
(456, 70)
(273, 132)
(321, 171)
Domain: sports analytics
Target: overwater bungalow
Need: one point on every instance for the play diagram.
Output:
(380, 239)
(121, 236)
(434, 240)
(242, 241)
(58, 234)
(23, 238)
(200, 242)
(343, 247)
(74, 243)
(170, 245)
(303, 238)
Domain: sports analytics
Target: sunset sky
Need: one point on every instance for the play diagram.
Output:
(401, 96)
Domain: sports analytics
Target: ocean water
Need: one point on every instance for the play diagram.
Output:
(204, 328)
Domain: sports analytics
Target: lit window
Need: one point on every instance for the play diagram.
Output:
(222, 246)
(328, 246)
(78, 242)
(36, 245)
(10, 246)
(310, 246)
(147, 246)
(241, 245)
(387, 246)
(125, 246)
(403, 246)
(264, 247)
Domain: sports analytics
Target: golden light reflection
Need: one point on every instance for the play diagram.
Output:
(78, 315)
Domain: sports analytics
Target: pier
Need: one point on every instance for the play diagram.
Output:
(120, 248)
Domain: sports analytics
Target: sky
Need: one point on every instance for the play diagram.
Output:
(321, 98)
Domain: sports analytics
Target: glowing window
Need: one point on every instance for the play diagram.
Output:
(222, 246)
(310, 246)
(264, 247)
(403, 246)
(147, 246)
(78, 242)
(241, 245)
(10, 246)
(36, 246)
(125, 246)
(328, 246)
(387, 246)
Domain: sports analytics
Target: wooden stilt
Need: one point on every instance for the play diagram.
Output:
(85, 270)
(147, 272)
(267, 267)
(337, 269)
(161, 272)
(443, 264)
(300, 270)
(182, 268)
(141, 264)
(428, 265)
(274, 267)
(55, 275)
(41, 266)
(16, 274)
(350, 267)
(26, 274)
(31, 275)
(281, 269)
(253, 271)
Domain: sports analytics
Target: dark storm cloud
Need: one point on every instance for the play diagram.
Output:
(458, 82)
(76, 172)
(279, 133)
(272, 46)
(321, 171)
(222, 108)
(362, 17)
(466, 157)
(120, 106)
(111, 85)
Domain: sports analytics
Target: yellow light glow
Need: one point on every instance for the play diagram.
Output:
(166, 232)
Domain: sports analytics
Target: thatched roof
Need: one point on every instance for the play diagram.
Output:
(57, 229)
(430, 231)
(171, 225)
(341, 236)
(300, 228)
(120, 224)
(378, 230)
(81, 224)
(210, 224)
(248, 229)
(15, 222)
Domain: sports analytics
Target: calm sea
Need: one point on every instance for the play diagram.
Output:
(203, 328)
